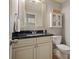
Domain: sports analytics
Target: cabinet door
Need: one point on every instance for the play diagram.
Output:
(23, 53)
(44, 51)
(59, 20)
(54, 20)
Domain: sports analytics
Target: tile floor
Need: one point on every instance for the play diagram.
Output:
(55, 57)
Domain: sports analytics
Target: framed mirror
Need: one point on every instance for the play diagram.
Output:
(32, 13)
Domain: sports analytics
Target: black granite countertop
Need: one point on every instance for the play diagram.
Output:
(28, 34)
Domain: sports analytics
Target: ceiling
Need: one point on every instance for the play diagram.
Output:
(60, 1)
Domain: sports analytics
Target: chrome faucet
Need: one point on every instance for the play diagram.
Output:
(34, 32)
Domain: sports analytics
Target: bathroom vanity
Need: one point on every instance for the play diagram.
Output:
(32, 15)
(32, 47)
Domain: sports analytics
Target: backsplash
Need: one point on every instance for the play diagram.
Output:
(55, 31)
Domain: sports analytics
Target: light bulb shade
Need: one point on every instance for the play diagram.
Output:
(37, 0)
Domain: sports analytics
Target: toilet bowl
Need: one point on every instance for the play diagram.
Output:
(62, 50)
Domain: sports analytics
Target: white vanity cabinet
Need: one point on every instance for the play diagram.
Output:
(23, 49)
(33, 48)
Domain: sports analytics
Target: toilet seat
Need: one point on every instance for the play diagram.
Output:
(63, 48)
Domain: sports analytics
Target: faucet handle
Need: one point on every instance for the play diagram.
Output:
(33, 32)
(44, 31)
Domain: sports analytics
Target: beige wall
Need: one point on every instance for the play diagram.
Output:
(13, 15)
(66, 12)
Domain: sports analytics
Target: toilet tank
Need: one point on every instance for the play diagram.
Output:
(57, 39)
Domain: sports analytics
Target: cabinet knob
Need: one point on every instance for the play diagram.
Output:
(36, 45)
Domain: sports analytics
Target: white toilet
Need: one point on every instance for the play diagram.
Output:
(61, 50)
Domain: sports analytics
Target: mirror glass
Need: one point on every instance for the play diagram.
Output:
(32, 13)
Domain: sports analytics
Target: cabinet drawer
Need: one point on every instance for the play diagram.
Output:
(43, 39)
(24, 42)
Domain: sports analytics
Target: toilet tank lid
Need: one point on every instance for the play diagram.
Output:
(57, 36)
